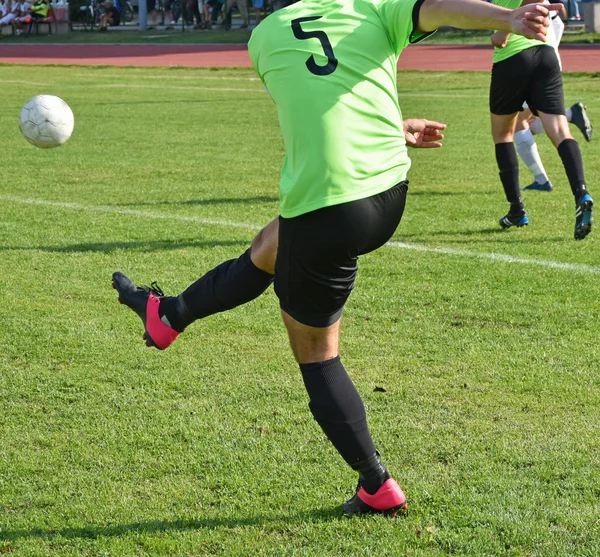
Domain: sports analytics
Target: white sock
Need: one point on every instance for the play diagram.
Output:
(536, 127)
(569, 115)
(528, 151)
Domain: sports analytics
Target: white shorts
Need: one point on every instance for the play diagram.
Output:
(7, 19)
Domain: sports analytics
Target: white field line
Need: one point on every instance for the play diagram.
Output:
(128, 212)
(401, 94)
(178, 87)
(498, 257)
(22, 82)
(200, 88)
(169, 77)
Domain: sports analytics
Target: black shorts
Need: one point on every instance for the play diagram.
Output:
(151, 5)
(533, 76)
(318, 252)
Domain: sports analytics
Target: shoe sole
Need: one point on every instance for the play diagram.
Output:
(506, 224)
(367, 510)
(537, 187)
(586, 223)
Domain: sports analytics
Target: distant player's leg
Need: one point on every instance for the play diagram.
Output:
(528, 151)
(508, 91)
(315, 272)
(228, 285)
(576, 115)
(508, 167)
(547, 99)
(557, 128)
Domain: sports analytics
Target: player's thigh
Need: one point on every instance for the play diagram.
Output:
(503, 127)
(312, 344)
(546, 93)
(264, 247)
(317, 258)
(556, 127)
(509, 84)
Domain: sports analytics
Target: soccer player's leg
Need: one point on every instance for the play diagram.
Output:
(557, 128)
(315, 271)
(508, 167)
(547, 97)
(508, 91)
(528, 151)
(228, 285)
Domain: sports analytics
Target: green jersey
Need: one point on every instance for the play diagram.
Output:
(331, 66)
(516, 43)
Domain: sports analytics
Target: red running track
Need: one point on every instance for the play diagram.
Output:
(576, 58)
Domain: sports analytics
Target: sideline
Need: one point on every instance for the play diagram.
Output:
(497, 257)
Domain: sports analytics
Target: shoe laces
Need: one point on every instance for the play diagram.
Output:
(154, 289)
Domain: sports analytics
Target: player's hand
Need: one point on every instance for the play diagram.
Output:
(423, 134)
(499, 39)
(532, 21)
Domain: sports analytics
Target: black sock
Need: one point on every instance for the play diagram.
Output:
(570, 154)
(228, 285)
(339, 410)
(508, 165)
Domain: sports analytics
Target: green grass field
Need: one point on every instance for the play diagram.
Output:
(475, 350)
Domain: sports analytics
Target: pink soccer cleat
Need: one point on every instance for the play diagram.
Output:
(388, 500)
(145, 301)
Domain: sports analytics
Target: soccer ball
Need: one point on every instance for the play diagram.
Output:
(46, 121)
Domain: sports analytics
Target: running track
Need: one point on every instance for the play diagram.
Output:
(576, 58)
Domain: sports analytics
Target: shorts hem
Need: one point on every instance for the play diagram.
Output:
(312, 320)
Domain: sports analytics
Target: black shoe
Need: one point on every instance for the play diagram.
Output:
(580, 119)
(583, 217)
(145, 301)
(546, 186)
(518, 219)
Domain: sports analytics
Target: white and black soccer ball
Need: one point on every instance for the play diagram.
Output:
(46, 121)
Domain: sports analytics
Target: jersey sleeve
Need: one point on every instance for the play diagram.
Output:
(401, 19)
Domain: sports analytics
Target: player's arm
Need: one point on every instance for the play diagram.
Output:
(530, 21)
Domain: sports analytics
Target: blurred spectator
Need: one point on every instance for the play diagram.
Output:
(278, 4)
(4, 11)
(111, 17)
(258, 6)
(243, 9)
(191, 13)
(151, 7)
(172, 9)
(206, 14)
(23, 17)
(215, 7)
(572, 9)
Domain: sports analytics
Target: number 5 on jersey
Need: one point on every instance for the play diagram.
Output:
(311, 64)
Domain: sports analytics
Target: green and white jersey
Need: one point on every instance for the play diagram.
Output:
(330, 66)
(516, 43)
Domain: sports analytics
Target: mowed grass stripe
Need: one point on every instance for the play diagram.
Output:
(497, 257)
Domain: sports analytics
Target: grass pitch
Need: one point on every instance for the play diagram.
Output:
(475, 349)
